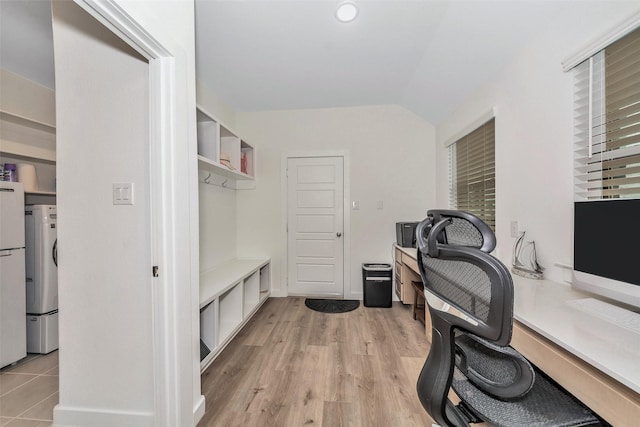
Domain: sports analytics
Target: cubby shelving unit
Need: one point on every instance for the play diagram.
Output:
(221, 151)
(230, 294)
(265, 281)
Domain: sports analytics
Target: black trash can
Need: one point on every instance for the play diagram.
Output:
(376, 282)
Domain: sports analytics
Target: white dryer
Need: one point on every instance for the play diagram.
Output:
(42, 278)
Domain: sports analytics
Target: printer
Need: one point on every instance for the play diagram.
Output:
(406, 234)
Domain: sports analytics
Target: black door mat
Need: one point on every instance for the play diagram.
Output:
(331, 305)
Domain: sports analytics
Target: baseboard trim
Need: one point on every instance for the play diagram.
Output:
(278, 293)
(92, 417)
(198, 410)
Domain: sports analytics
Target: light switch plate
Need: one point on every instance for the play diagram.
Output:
(123, 193)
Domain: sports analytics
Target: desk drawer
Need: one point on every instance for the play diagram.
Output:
(398, 256)
(411, 263)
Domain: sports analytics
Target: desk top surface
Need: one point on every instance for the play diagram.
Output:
(544, 306)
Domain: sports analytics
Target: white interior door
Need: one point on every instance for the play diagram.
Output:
(315, 219)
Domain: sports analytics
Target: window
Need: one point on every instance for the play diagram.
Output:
(472, 173)
(607, 122)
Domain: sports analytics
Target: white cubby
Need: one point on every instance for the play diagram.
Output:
(208, 136)
(265, 281)
(217, 143)
(208, 325)
(230, 309)
(251, 293)
(247, 154)
(230, 294)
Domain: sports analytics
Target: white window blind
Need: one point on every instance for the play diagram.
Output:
(607, 122)
(472, 173)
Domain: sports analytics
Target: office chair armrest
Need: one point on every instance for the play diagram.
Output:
(499, 371)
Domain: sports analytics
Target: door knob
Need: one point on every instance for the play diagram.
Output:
(338, 234)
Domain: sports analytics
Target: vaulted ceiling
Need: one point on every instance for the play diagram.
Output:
(256, 55)
(424, 55)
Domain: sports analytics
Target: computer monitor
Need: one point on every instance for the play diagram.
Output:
(607, 249)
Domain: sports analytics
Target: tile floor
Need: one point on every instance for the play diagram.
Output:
(29, 391)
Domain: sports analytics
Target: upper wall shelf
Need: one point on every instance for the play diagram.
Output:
(221, 151)
(26, 121)
(25, 137)
(208, 165)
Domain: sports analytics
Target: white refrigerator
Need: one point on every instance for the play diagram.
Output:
(13, 329)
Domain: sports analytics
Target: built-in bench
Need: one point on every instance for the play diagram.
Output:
(230, 294)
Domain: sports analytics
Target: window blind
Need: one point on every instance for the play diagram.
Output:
(472, 173)
(607, 122)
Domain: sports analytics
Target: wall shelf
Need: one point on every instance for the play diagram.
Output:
(221, 151)
(208, 165)
(28, 152)
(26, 121)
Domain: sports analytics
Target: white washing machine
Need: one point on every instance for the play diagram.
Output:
(42, 278)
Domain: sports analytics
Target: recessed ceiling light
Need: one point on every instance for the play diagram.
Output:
(346, 12)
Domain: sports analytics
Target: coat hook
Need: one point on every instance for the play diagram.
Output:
(224, 183)
(206, 180)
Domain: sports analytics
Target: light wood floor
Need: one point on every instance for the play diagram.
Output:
(291, 366)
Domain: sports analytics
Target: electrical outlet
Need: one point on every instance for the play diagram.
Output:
(514, 229)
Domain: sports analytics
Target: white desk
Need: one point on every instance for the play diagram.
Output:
(542, 306)
(595, 360)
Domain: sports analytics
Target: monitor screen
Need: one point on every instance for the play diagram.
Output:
(607, 239)
(607, 246)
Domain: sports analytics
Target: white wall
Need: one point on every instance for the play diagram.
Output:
(218, 222)
(217, 204)
(391, 153)
(533, 101)
(105, 327)
(214, 105)
(108, 367)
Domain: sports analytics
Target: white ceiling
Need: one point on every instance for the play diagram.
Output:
(424, 55)
(275, 54)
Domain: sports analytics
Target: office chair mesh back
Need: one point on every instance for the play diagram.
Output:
(464, 284)
(461, 232)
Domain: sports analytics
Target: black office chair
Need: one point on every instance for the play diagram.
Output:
(470, 299)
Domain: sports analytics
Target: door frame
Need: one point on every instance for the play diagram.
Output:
(175, 368)
(347, 291)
